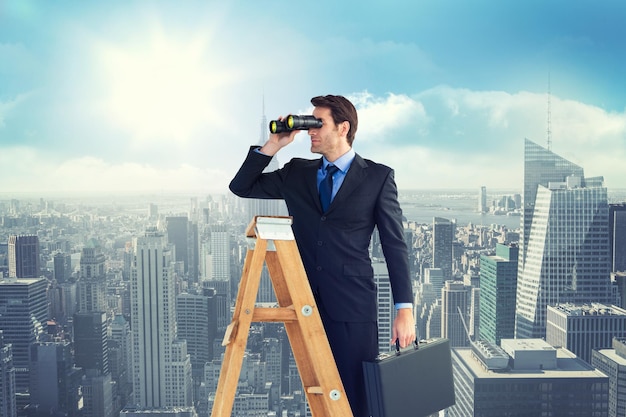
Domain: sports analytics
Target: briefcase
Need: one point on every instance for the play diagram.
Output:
(412, 382)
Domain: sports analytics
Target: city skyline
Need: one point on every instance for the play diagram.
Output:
(137, 97)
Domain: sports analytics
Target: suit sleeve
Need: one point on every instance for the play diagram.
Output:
(391, 232)
(251, 182)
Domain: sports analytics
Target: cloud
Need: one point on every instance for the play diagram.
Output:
(92, 175)
(442, 137)
(380, 115)
(448, 138)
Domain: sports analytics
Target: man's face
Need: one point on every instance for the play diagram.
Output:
(328, 139)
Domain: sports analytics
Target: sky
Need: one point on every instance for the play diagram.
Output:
(167, 96)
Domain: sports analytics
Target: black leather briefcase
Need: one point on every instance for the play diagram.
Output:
(412, 382)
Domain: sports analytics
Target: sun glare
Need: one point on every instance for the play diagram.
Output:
(161, 88)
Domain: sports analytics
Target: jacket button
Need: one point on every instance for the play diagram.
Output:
(320, 243)
(319, 268)
(323, 218)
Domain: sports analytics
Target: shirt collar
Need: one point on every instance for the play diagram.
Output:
(343, 162)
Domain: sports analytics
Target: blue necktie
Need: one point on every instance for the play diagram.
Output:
(326, 187)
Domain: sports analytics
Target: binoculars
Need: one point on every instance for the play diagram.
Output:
(294, 123)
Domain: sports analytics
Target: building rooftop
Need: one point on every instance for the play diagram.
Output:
(613, 355)
(24, 281)
(592, 309)
(568, 365)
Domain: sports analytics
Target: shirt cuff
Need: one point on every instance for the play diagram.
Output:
(403, 305)
(258, 150)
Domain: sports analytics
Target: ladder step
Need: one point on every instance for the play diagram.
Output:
(315, 390)
(279, 314)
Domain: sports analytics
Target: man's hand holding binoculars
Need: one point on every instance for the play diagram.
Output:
(284, 130)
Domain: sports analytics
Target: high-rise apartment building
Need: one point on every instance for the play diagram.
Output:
(580, 328)
(498, 285)
(24, 308)
(564, 255)
(160, 377)
(443, 236)
(24, 256)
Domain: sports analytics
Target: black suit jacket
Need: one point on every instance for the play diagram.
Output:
(334, 245)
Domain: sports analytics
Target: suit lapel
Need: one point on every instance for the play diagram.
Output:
(354, 178)
(310, 177)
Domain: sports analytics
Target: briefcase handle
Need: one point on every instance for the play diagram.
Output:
(416, 346)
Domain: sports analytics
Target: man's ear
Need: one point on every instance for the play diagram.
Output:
(344, 128)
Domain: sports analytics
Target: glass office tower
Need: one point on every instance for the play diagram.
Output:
(565, 240)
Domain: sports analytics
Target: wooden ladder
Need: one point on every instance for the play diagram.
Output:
(272, 240)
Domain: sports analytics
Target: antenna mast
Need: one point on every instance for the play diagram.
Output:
(264, 133)
(549, 129)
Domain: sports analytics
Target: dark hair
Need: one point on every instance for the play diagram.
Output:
(341, 109)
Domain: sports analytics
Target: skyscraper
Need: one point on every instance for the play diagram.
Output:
(7, 380)
(220, 253)
(541, 166)
(386, 310)
(157, 355)
(196, 317)
(617, 233)
(443, 236)
(613, 363)
(498, 285)
(584, 327)
(90, 341)
(525, 378)
(455, 307)
(193, 252)
(97, 390)
(565, 241)
(178, 236)
(24, 308)
(23, 256)
(92, 279)
(482, 200)
(120, 360)
(62, 267)
(54, 381)
(91, 347)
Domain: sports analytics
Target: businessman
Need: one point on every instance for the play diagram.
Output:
(336, 201)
